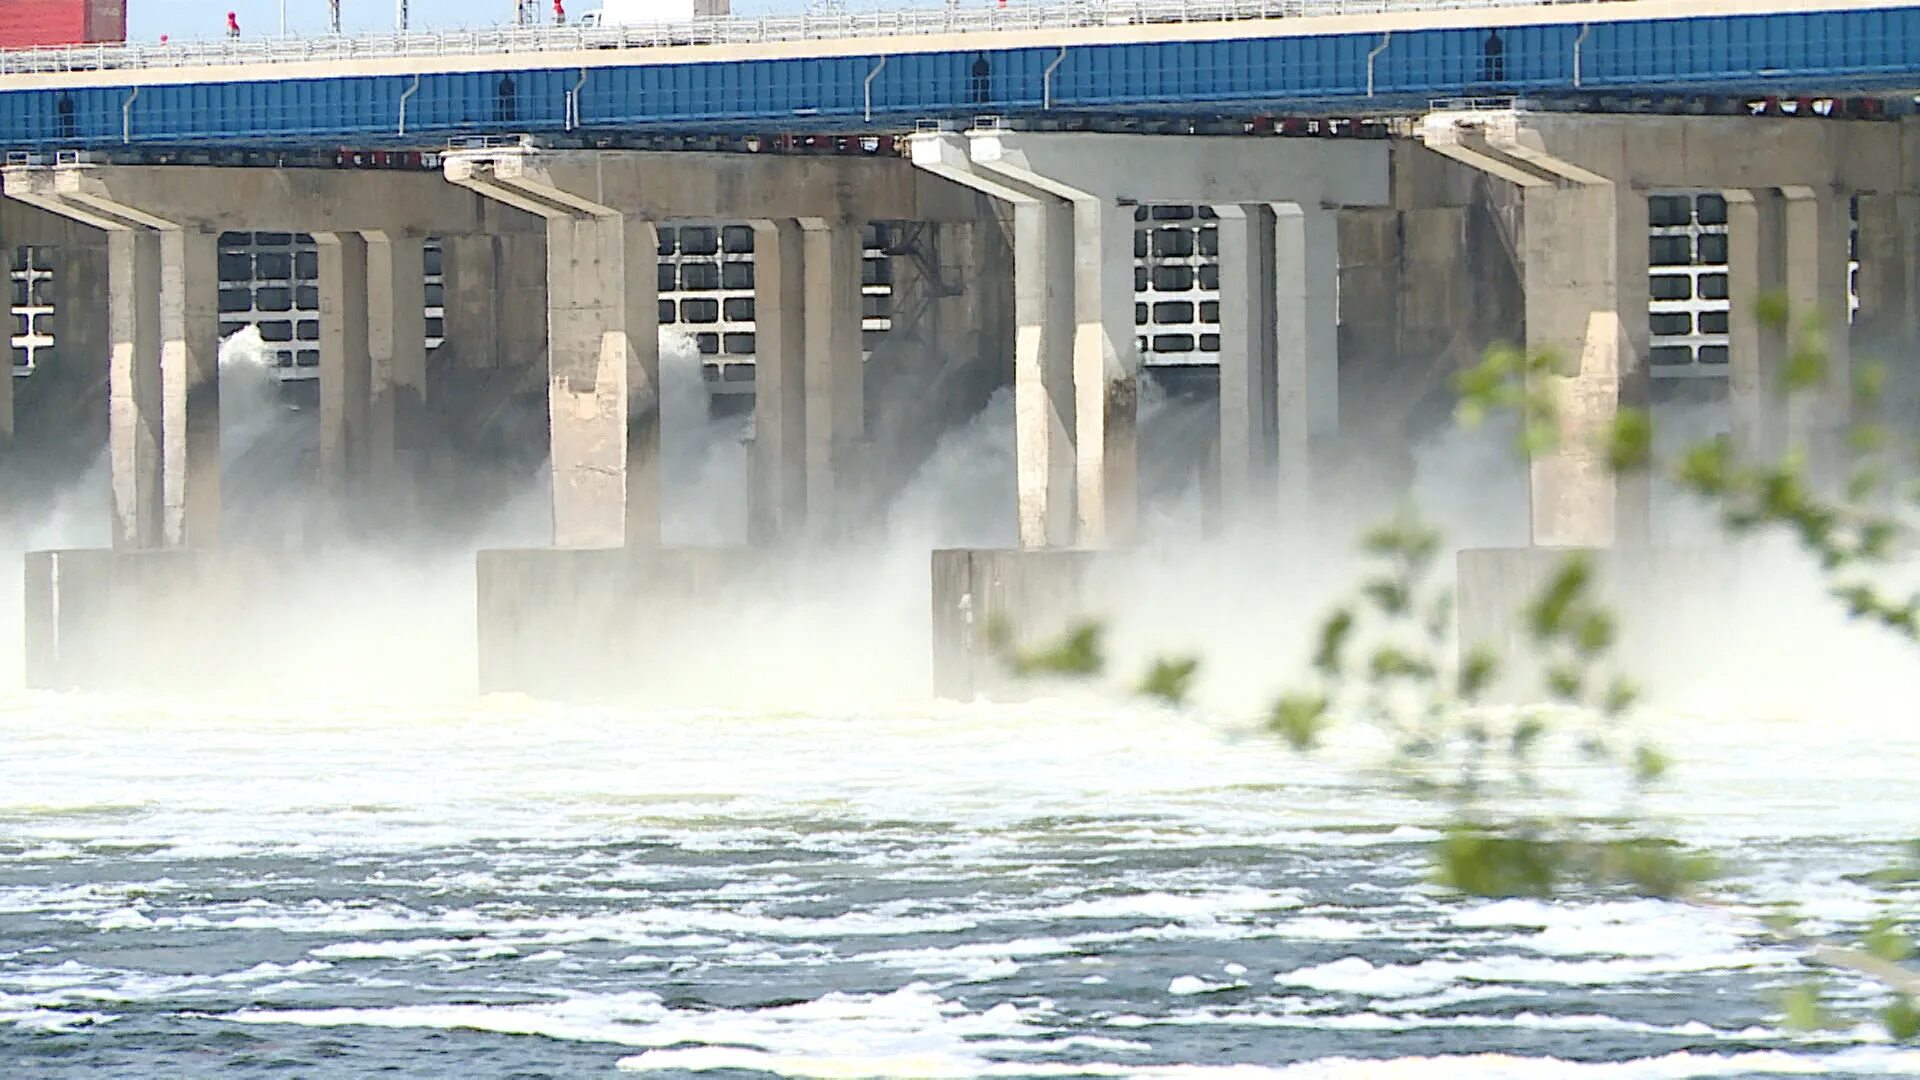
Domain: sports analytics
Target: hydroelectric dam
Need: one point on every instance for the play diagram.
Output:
(459, 251)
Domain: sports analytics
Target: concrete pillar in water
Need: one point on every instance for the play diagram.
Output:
(1307, 351)
(1106, 374)
(834, 373)
(345, 367)
(1248, 340)
(1043, 385)
(1816, 225)
(779, 388)
(1889, 287)
(1044, 316)
(397, 353)
(1564, 163)
(469, 290)
(1585, 267)
(80, 325)
(1756, 350)
(494, 289)
(135, 406)
(190, 387)
(603, 368)
(1279, 356)
(1104, 178)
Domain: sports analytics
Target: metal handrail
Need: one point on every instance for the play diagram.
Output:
(1072, 14)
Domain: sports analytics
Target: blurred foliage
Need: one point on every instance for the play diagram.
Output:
(1388, 656)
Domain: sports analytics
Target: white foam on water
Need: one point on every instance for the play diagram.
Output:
(1684, 1065)
(1320, 1016)
(1614, 928)
(1360, 977)
(1190, 985)
(903, 1033)
(977, 961)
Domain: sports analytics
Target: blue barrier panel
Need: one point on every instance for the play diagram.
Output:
(1808, 52)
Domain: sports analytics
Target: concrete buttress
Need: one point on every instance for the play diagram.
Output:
(779, 389)
(833, 373)
(1279, 270)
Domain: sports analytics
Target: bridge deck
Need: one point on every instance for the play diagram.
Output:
(882, 73)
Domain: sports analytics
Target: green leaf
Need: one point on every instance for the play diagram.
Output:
(1549, 612)
(1804, 1009)
(1772, 309)
(1885, 940)
(1805, 368)
(1564, 682)
(1333, 641)
(1651, 866)
(1299, 719)
(1629, 441)
(1390, 595)
(1649, 764)
(1620, 697)
(1480, 862)
(1707, 469)
(1526, 735)
(1594, 634)
(1390, 662)
(1477, 671)
(1170, 679)
(1077, 653)
(1902, 1020)
(1869, 382)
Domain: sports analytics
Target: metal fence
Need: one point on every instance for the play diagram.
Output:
(1079, 14)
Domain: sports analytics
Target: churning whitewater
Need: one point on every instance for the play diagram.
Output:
(1058, 889)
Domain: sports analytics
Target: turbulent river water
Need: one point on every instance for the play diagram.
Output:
(1061, 888)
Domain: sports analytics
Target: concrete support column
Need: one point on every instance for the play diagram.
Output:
(603, 365)
(134, 386)
(397, 353)
(835, 372)
(1756, 265)
(79, 319)
(1585, 256)
(1248, 341)
(189, 320)
(1306, 351)
(345, 369)
(469, 290)
(1106, 371)
(494, 295)
(1889, 285)
(779, 387)
(1817, 224)
(1043, 372)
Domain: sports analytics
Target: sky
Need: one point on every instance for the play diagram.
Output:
(184, 20)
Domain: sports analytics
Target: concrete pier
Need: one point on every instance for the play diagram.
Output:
(105, 618)
(1584, 182)
(833, 373)
(1279, 355)
(1099, 179)
(54, 420)
(161, 222)
(570, 619)
(820, 204)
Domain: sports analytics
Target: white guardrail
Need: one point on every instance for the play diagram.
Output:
(714, 31)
